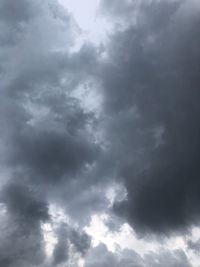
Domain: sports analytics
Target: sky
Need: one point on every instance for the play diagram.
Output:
(99, 136)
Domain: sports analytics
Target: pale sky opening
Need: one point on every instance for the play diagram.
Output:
(86, 13)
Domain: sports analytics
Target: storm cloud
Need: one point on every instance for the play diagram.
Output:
(45, 137)
(151, 83)
(90, 129)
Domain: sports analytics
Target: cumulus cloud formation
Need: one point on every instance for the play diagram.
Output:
(99, 128)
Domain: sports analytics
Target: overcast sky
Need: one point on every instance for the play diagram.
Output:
(100, 133)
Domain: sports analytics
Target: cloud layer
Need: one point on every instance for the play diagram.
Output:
(134, 155)
(151, 99)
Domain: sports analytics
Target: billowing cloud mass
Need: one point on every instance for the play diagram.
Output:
(151, 87)
(99, 128)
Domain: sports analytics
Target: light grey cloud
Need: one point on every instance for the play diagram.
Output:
(194, 245)
(101, 257)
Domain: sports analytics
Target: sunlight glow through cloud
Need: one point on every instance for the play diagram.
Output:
(94, 27)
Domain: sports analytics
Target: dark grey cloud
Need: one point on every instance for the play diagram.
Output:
(19, 248)
(50, 152)
(23, 203)
(151, 104)
(149, 13)
(80, 240)
(45, 130)
(46, 142)
(61, 253)
(13, 16)
(101, 257)
(69, 238)
(21, 242)
(12, 12)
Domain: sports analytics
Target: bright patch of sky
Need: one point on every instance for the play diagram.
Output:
(93, 25)
(94, 29)
(89, 96)
(124, 238)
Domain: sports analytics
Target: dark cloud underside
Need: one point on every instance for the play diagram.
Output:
(152, 93)
(54, 151)
(45, 137)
